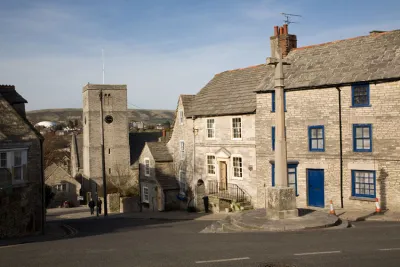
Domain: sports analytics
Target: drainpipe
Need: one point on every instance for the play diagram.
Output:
(341, 146)
(193, 162)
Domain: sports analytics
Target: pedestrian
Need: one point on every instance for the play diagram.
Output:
(205, 200)
(99, 205)
(91, 206)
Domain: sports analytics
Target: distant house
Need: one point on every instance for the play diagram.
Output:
(64, 186)
(22, 209)
(160, 187)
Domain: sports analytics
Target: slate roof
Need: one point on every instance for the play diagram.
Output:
(11, 95)
(166, 181)
(79, 149)
(365, 58)
(187, 101)
(159, 151)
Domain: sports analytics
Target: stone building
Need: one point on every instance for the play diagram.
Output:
(22, 209)
(159, 186)
(341, 111)
(64, 186)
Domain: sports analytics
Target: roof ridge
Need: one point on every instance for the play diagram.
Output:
(342, 40)
(249, 67)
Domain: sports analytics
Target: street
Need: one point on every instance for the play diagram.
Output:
(146, 242)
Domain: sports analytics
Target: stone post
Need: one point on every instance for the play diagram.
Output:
(281, 198)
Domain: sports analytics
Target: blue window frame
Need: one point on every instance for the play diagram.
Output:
(363, 183)
(273, 137)
(362, 137)
(292, 176)
(273, 101)
(316, 138)
(360, 95)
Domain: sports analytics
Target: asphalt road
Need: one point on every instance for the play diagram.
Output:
(132, 242)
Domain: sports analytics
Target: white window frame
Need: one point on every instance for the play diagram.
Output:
(213, 129)
(207, 164)
(10, 162)
(181, 116)
(182, 151)
(58, 186)
(182, 181)
(241, 128)
(144, 195)
(146, 167)
(233, 167)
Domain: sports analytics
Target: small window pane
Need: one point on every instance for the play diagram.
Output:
(365, 132)
(320, 144)
(359, 132)
(314, 133)
(314, 144)
(359, 144)
(319, 133)
(18, 173)
(292, 178)
(367, 144)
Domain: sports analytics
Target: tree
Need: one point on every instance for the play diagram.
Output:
(54, 149)
(122, 182)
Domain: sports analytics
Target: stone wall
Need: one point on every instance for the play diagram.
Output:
(129, 204)
(321, 107)
(22, 207)
(113, 202)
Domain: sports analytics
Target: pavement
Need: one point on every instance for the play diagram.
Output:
(256, 221)
(127, 242)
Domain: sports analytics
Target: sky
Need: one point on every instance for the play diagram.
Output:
(50, 49)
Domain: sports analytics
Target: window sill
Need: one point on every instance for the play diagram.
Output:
(362, 151)
(362, 199)
(362, 106)
(237, 178)
(317, 150)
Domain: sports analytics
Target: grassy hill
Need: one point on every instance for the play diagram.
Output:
(149, 116)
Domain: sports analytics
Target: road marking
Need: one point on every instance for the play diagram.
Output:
(223, 260)
(388, 249)
(317, 253)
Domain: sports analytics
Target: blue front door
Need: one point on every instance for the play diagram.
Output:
(316, 188)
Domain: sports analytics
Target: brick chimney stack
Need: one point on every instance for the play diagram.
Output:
(286, 41)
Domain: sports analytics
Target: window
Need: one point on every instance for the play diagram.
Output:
(109, 170)
(360, 95)
(316, 138)
(363, 183)
(273, 137)
(18, 165)
(146, 196)
(182, 181)
(210, 164)
(61, 187)
(273, 101)
(146, 167)
(237, 128)
(182, 149)
(362, 137)
(3, 160)
(181, 116)
(292, 176)
(237, 167)
(210, 128)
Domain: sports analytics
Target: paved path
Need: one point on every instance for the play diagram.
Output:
(144, 242)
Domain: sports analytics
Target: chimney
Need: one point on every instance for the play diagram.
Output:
(164, 133)
(287, 41)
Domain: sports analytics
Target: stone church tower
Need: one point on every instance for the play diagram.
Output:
(116, 131)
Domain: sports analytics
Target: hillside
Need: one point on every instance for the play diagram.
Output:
(149, 116)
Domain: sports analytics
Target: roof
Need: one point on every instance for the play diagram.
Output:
(79, 149)
(187, 101)
(137, 142)
(11, 95)
(366, 58)
(230, 92)
(375, 57)
(159, 151)
(167, 181)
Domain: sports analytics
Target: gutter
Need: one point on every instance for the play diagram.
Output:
(341, 146)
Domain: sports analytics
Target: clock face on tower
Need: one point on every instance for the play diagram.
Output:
(108, 119)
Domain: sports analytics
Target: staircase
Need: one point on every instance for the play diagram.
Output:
(231, 196)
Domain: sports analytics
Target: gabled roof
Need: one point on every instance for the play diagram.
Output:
(159, 151)
(137, 142)
(11, 95)
(230, 92)
(187, 101)
(166, 180)
(366, 58)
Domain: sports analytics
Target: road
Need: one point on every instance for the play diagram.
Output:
(115, 242)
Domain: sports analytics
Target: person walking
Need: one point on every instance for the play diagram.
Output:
(91, 206)
(99, 202)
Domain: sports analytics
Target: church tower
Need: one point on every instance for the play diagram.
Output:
(115, 128)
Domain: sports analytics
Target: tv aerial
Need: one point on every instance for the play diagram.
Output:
(288, 18)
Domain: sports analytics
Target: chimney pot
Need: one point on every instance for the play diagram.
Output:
(163, 132)
(276, 33)
(280, 30)
(285, 29)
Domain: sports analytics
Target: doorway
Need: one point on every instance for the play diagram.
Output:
(316, 193)
(223, 175)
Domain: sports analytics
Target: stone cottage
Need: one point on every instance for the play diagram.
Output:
(64, 186)
(159, 186)
(22, 209)
(341, 111)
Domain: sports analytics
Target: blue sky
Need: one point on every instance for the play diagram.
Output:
(160, 48)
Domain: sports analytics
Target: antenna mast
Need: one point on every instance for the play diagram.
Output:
(287, 16)
(102, 59)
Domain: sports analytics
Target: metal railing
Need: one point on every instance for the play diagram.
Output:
(227, 191)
